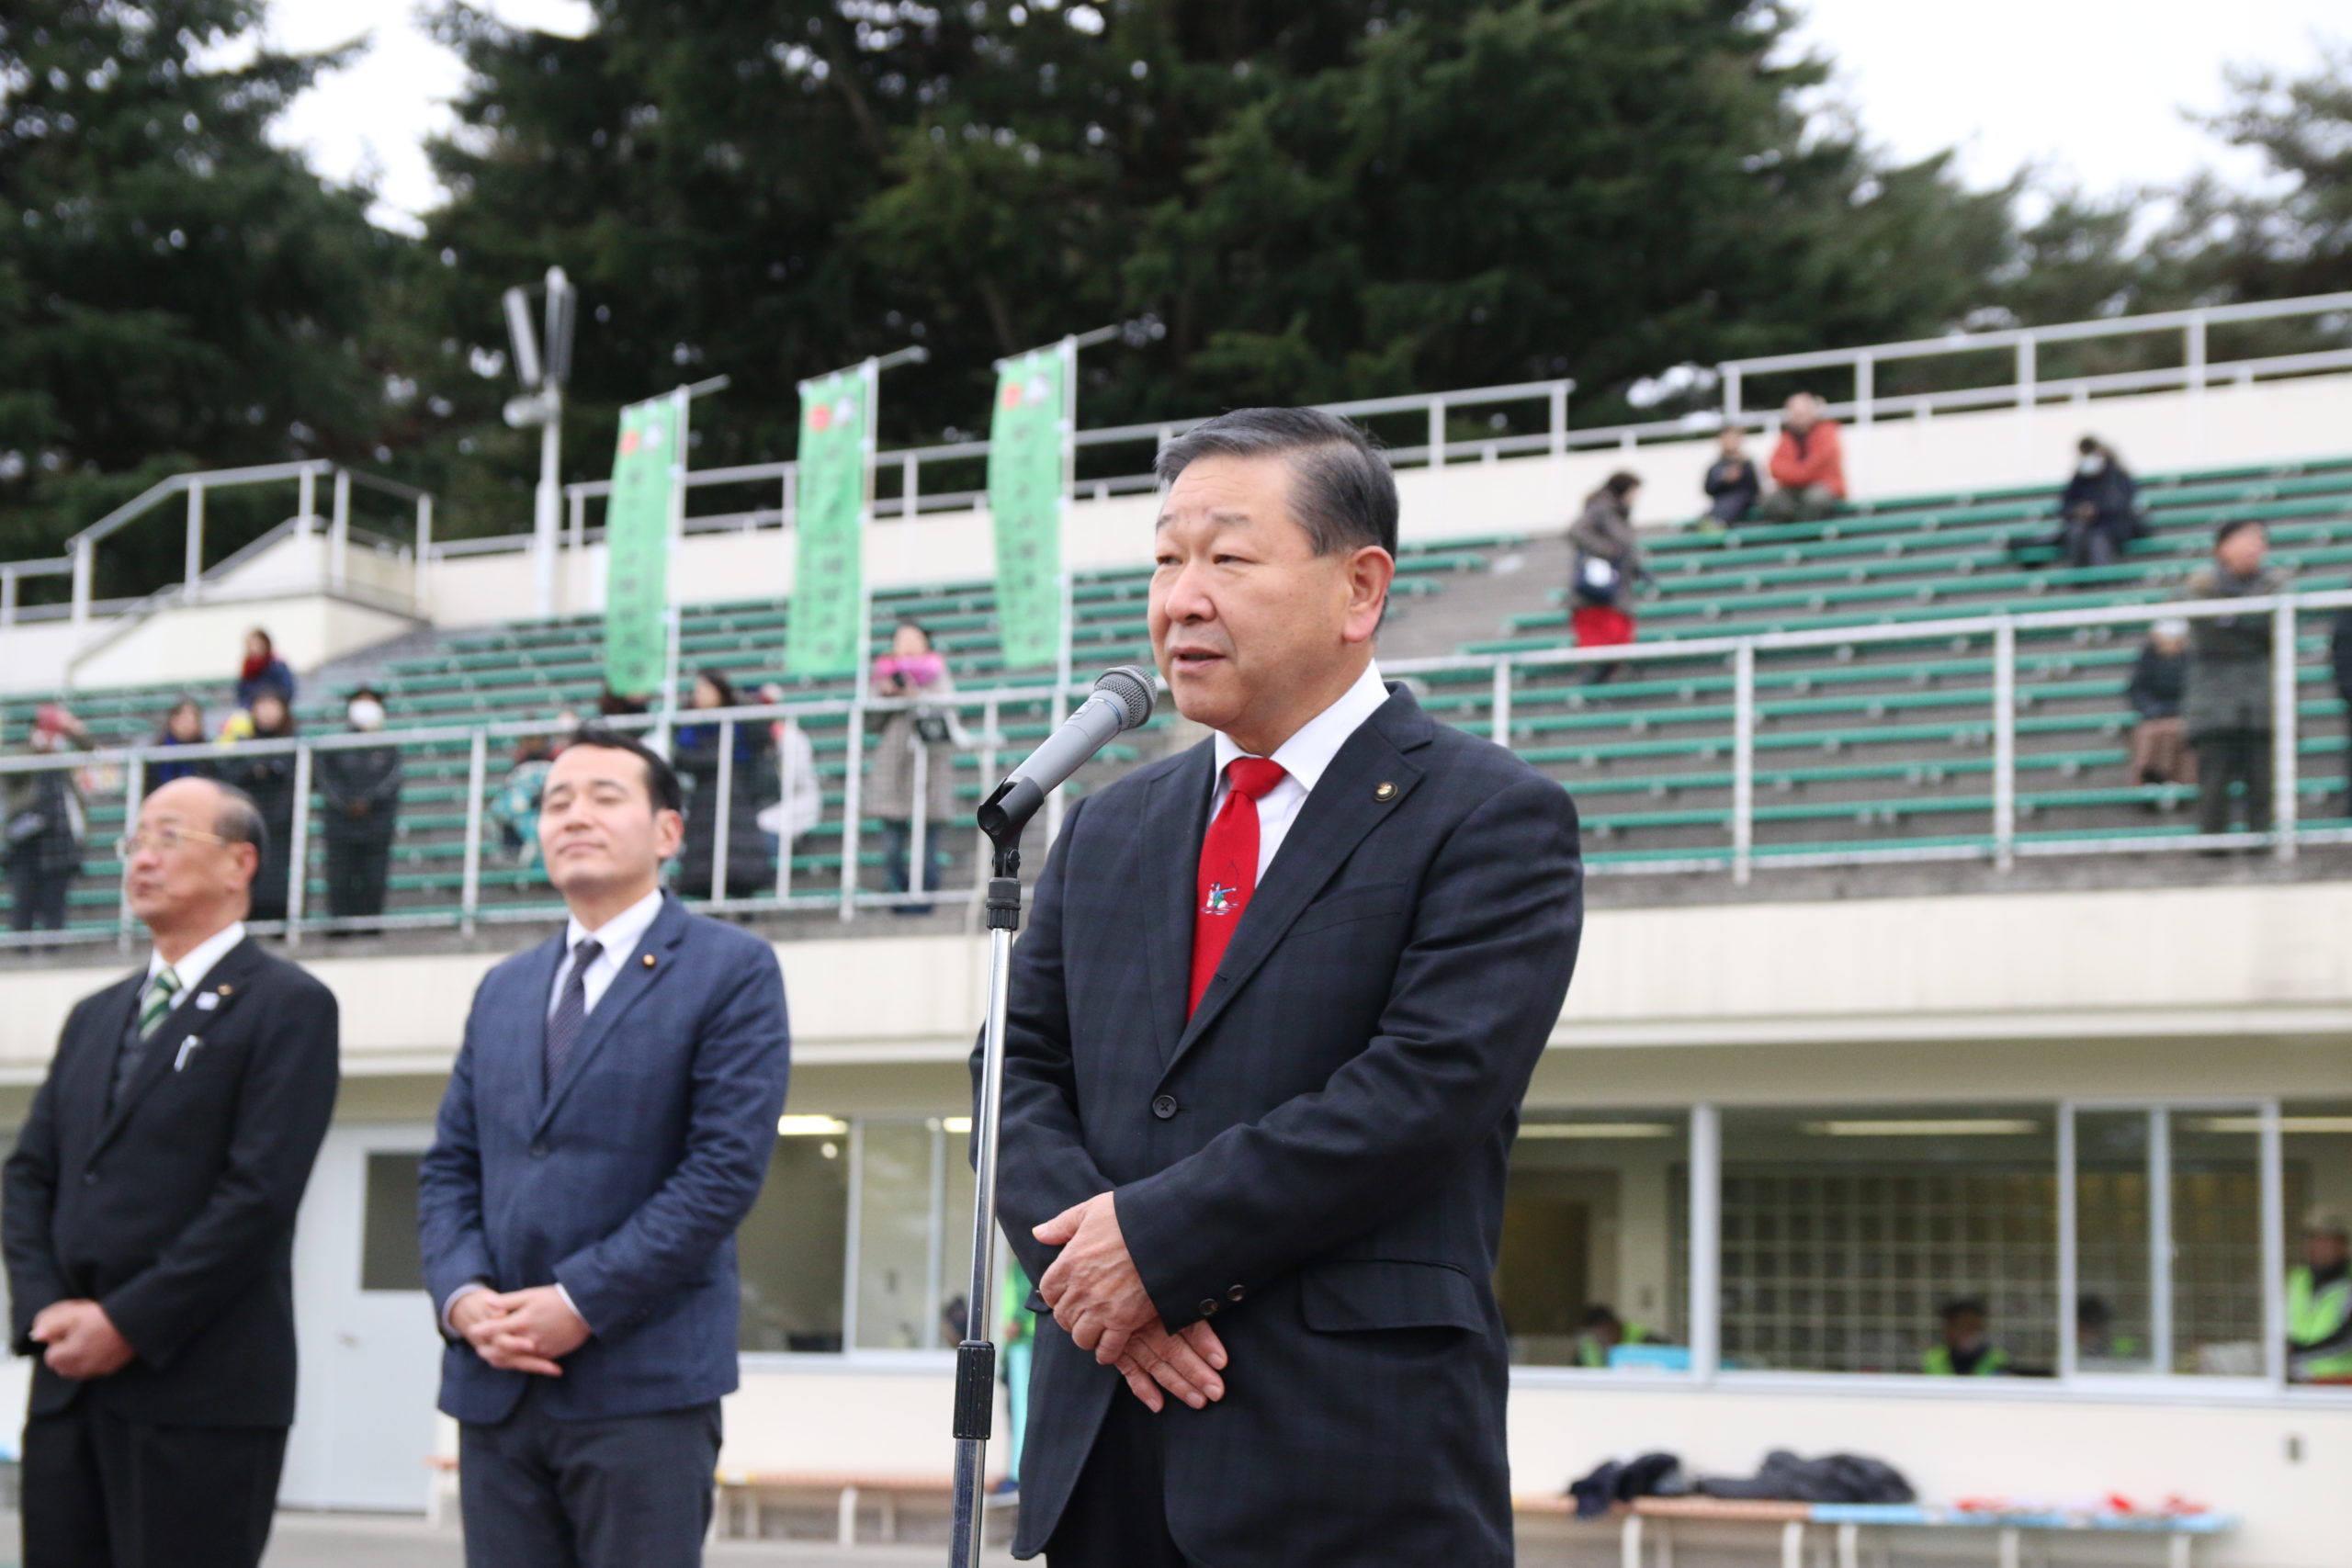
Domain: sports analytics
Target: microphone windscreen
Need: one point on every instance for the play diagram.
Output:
(1131, 688)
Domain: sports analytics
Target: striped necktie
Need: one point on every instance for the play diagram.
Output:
(162, 992)
(570, 1009)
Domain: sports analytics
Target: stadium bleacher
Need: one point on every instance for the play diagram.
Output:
(1868, 745)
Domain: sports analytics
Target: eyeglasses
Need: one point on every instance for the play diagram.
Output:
(163, 839)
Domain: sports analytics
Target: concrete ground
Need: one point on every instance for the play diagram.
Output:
(359, 1540)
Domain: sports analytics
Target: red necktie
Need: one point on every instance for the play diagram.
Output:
(1228, 867)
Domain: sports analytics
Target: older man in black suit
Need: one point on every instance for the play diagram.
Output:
(1269, 1032)
(149, 1217)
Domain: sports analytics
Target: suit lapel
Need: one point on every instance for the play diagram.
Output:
(1175, 819)
(538, 986)
(229, 980)
(83, 1093)
(1342, 807)
(635, 978)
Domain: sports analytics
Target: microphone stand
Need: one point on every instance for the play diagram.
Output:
(1002, 817)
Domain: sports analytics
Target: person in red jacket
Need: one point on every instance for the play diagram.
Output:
(1808, 465)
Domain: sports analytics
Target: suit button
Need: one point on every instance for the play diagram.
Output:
(1164, 1106)
(1208, 1307)
(1235, 1293)
(89, 1178)
(538, 1151)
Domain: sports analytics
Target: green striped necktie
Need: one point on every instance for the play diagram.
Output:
(161, 991)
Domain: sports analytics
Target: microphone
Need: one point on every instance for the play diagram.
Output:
(1122, 700)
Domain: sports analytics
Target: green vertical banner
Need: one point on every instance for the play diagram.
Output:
(636, 547)
(826, 636)
(1024, 502)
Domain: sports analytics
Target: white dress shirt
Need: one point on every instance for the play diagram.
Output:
(196, 963)
(1303, 757)
(615, 937)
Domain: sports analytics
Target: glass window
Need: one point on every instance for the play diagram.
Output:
(914, 1244)
(1870, 1239)
(390, 1257)
(792, 1247)
(2169, 1241)
(1594, 1241)
(2315, 1141)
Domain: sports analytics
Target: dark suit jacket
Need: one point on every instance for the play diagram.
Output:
(1317, 1157)
(625, 1180)
(174, 1211)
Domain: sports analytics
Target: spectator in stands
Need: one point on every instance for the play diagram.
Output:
(1602, 1332)
(1606, 557)
(2096, 512)
(2339, 648)
(262, 670)
(799, 796)
(1967, 1350)
(2160, 752)
(698, 752)
(47, 824)
(361, 786)
(2228, 708)
(612, 704)
(183, 725)
(515, 809)
(1732, 482)
(2319, 1304)
(1809, 463)
(926, 729)
(268, 779)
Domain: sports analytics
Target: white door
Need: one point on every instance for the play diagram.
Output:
(363, 1421)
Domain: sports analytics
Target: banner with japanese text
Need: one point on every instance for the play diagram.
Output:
(636, 547)
(1024, 504)
(826, 636)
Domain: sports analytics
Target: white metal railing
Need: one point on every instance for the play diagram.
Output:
(80, 562)
(2000, 845)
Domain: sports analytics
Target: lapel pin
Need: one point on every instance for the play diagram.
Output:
(649, 960)
(226, 989)
(1384, 792)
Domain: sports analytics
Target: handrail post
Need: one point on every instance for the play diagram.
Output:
(919, 818)
(2025, 372)
(1498, 729)
(786, 778)
(8, 597)
(298, 847)
(853, 803)
(422, 591)
(910, 483)
(1559, 412)
(339, 531)
(2005, 743)
(2283, 723)
(1732, 388)
(477, 780)
(83, 566)
(1743, 764)
(193, 568)
(1437, 432)
(306, 500)
(2193, 346)
(1865, 388)
(721, 820)
(134, 791)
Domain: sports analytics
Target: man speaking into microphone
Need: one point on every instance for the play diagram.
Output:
(1267, 1037)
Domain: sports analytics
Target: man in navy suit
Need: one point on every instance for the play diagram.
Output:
(606, 1128)
(1270, 1028)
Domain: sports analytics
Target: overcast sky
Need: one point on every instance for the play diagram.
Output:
(2090, 92)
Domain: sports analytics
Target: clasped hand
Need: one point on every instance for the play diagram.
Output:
(1098, 1296)
(520, 1331)
(82, 1340)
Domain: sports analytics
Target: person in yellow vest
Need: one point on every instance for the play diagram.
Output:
(1602, 1332)
(2319, 1304)
(1967, 1350)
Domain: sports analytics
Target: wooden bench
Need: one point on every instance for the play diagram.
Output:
(850, 1489)
(1652, 1519)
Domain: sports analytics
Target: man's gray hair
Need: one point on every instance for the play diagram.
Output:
(239, 819)
(1345, 496)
